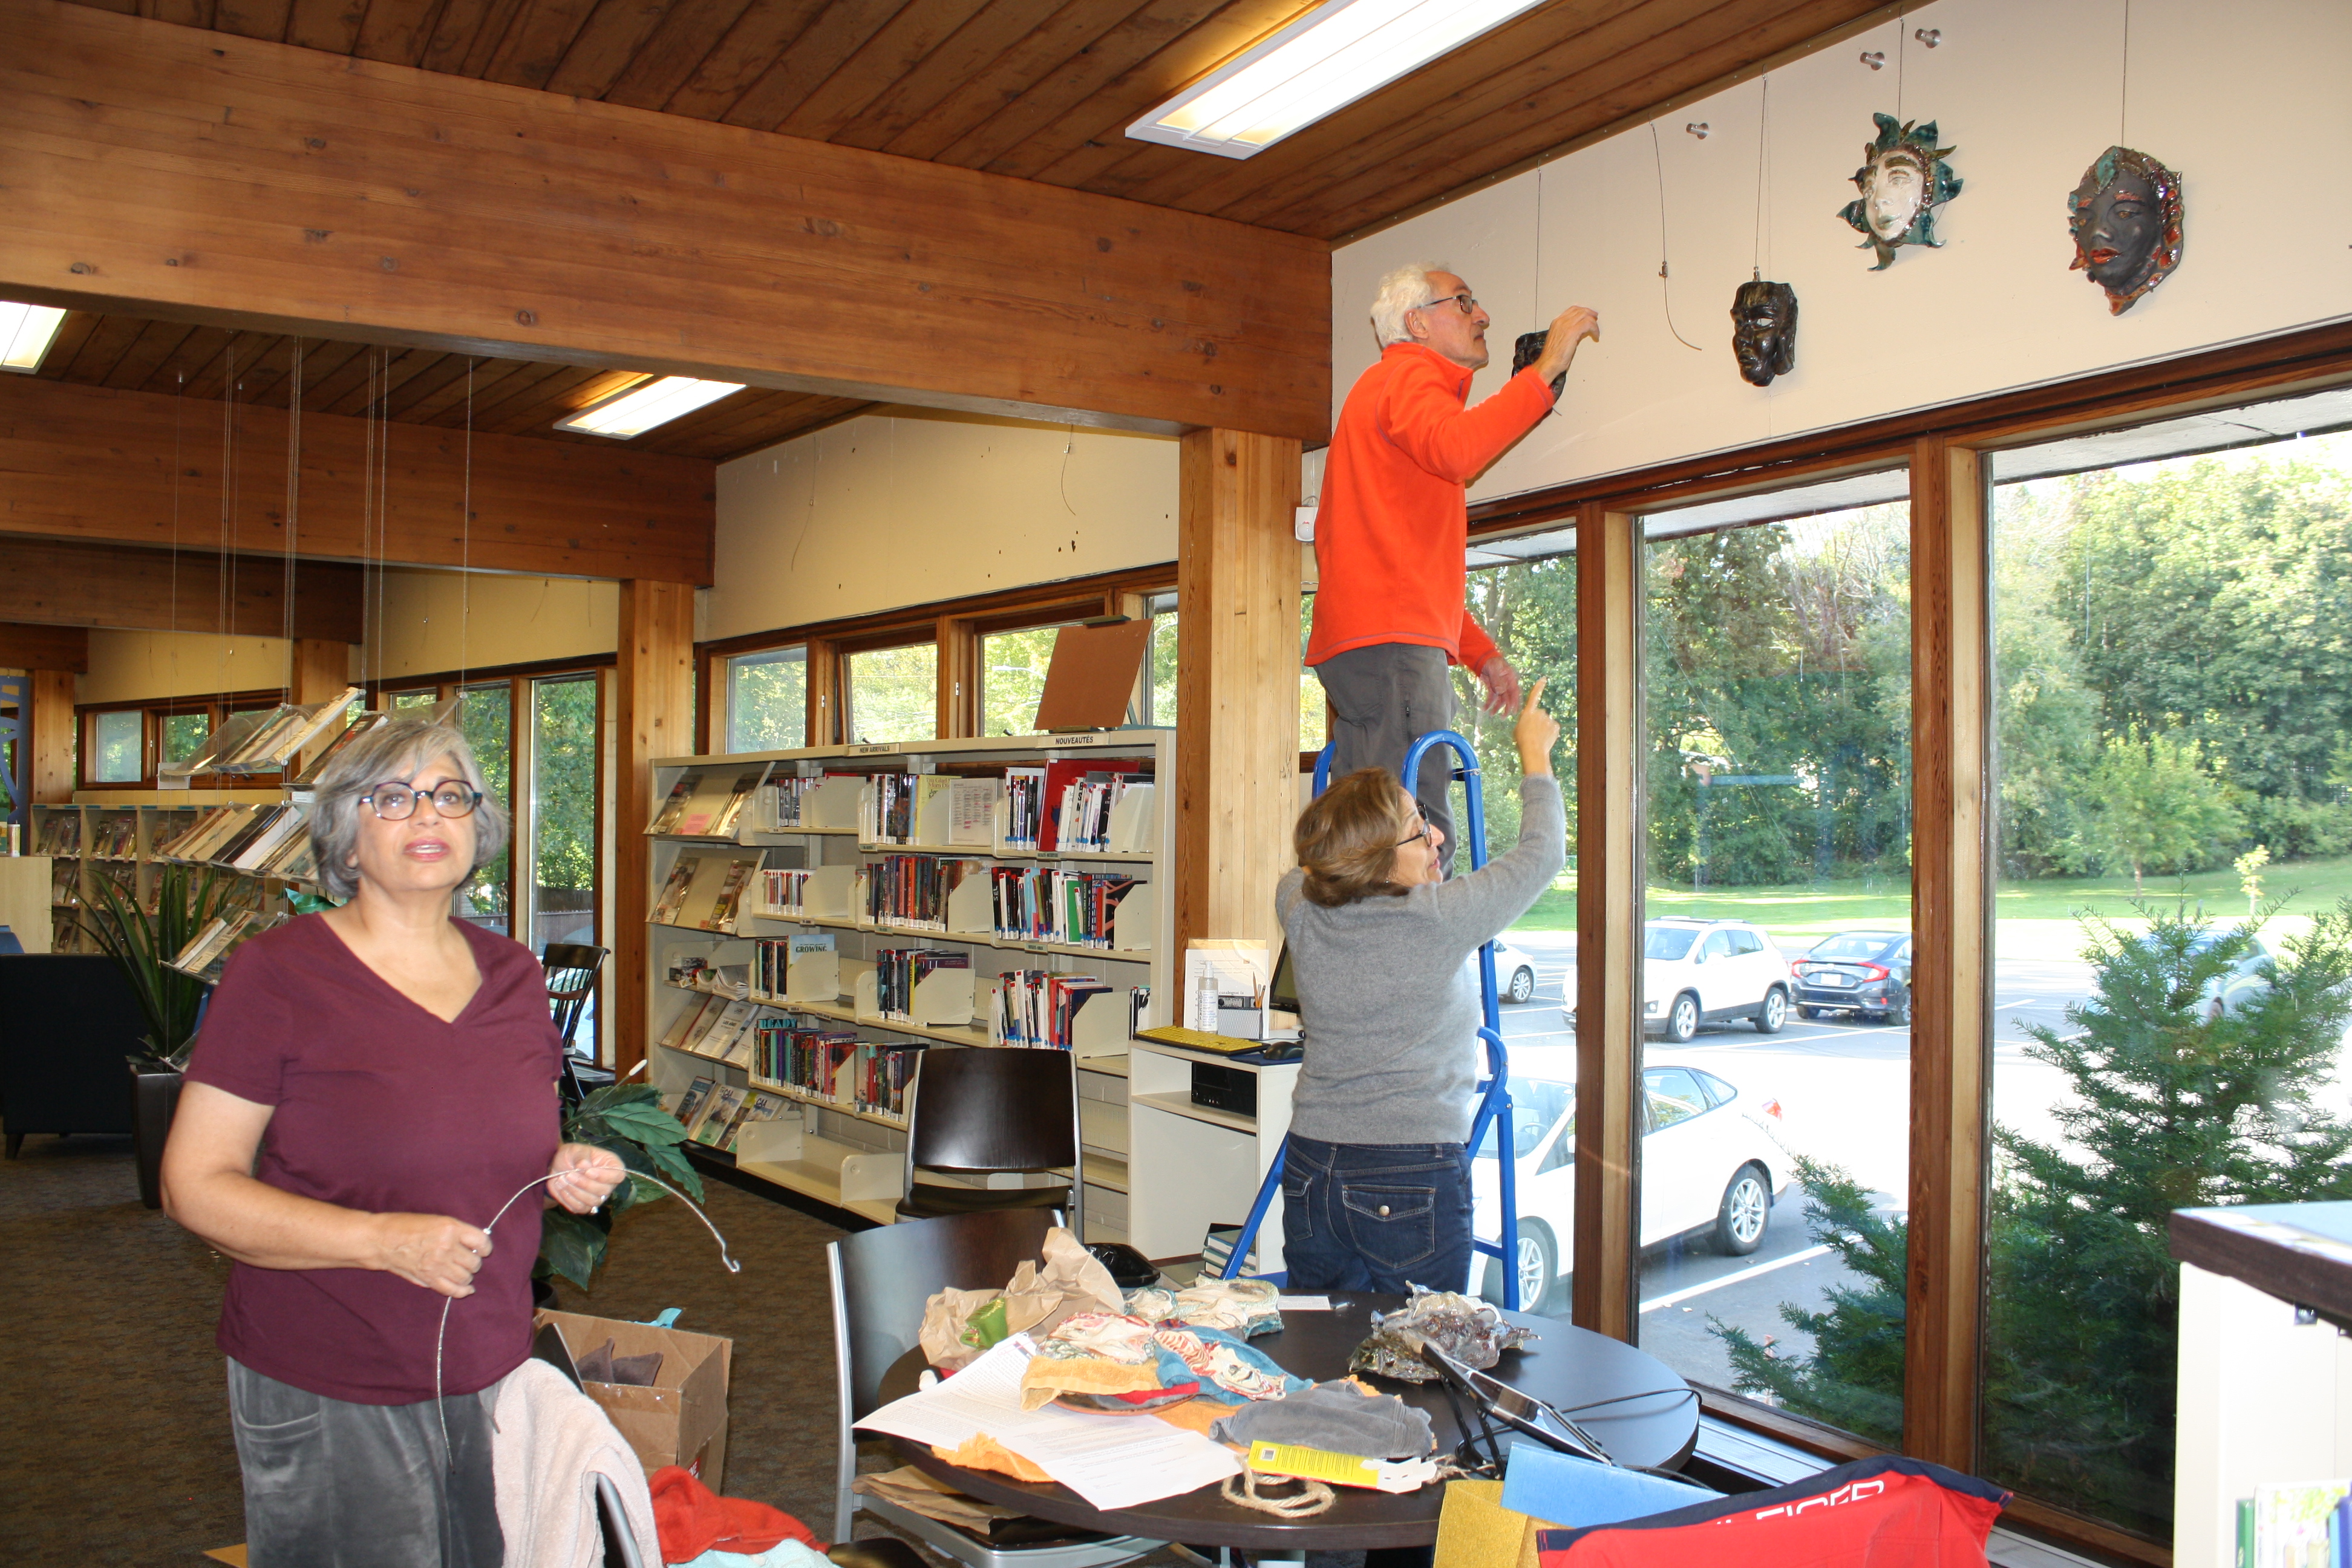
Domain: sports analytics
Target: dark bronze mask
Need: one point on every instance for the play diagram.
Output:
(2126, 220)
(1764, 330)
(1527, 351)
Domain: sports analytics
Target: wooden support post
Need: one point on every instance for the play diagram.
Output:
(1609, 818)
(1237, 682)
(1951, 913)
(958, 679)
(52, 734)
(653, 687)
(321, 668)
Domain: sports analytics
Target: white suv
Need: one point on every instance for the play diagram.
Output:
(1704, 971)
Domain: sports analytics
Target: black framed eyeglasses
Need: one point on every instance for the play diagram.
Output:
(1420, 834)
(1468, 302)
(397, 802)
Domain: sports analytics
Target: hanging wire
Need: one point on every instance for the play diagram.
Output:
(1763, 138)
(1538, 287)
(1665, 291)
(2123, 107)
(293, 505)
(465, 533)
(223, 592)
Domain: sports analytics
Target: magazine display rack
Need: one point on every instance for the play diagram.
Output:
(119, 836)
(821, 916)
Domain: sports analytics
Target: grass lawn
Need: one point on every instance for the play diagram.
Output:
(2301, 888)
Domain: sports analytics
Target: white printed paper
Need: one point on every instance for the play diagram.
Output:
(1112, 1461)
(1302, 1303)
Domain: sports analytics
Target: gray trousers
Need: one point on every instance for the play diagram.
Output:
(1385, 697)
(329, 1484)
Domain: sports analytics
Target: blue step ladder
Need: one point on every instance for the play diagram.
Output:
(1495, 1094)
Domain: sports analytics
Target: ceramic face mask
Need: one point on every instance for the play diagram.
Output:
(1904, 180)
(1764, 330)
(2125, 221)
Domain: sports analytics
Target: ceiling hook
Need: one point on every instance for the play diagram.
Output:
(1698, 128)
(1874, 58)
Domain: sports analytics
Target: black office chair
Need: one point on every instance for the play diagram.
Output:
(571, 969)
(983, 1111)
(881, 1279)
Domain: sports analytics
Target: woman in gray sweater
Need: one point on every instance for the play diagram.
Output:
(1376, 1183)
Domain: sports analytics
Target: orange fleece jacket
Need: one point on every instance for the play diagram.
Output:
(1392, 529)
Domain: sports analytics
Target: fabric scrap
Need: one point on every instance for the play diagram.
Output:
(783, 1554)
(1244, 1307)
(982, 1452)
(693, 1519)
(1334, 1417)
(1230, 1370)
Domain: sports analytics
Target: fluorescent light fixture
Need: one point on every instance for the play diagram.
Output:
(1317, 66)
(646, 404)
(25, 333)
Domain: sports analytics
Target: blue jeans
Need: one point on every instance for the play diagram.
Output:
(1374, 1217)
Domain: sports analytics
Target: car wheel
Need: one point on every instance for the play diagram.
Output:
(1902, 1015)
(1682, 1018)
(1538, 1270)
(1747, 1207)
(1809, 1011)
(1773, 1016)
(1523, 984)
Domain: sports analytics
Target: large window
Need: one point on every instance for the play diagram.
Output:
(1013, 667)
(562, 821)
(767, 700)
(487, 720)
(1159, 680)
(2173, 736)
(117, 746)
(1774, 1088)
(893, 693)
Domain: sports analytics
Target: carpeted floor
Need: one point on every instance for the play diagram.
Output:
(117, 1451)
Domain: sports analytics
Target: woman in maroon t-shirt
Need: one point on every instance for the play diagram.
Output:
(370, 1086)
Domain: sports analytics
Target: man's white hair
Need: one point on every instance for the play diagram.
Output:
(1400, 291)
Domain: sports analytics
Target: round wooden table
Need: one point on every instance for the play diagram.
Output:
(1566, 1366)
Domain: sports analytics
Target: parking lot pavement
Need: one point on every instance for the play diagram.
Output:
(1836, 1081)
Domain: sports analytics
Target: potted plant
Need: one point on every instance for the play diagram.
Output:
(627, 1119)
(143, 942)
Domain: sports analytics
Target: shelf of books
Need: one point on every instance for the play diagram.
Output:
(822, 917)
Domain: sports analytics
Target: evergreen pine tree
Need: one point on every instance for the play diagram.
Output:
(2175, 1103)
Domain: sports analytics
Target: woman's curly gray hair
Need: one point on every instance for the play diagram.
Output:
(1405, 288)
(392, 750)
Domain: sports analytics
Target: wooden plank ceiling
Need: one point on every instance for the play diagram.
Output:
(414, 386)
(1044, 89)
(1039, 89)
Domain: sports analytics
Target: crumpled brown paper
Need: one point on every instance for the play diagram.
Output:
(1071, 1281)
(1034, 1300)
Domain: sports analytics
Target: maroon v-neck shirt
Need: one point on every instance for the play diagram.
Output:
(380, 1106)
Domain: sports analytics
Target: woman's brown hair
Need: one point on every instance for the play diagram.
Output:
(1347, 839)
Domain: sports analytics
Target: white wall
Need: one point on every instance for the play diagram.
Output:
(914, 506)
(435, 621)
(2246, 101)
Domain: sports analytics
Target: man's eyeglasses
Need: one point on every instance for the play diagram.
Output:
(397, 802)
(1419, 834)
(1465, 300)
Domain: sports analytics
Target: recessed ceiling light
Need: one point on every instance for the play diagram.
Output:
(1317, 66)
(646, 404)
(25, 333)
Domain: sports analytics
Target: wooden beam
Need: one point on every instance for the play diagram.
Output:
(1238, 680)
(108, 586)
(322, 669)
(91, 463)
(52, 731)
(960, 678)
(1609, 881)
(653, 690)
(189, 176)
(1951, 911)
(36, 647)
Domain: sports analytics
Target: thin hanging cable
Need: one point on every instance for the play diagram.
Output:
(293, 505)
(442, 1335)
(1665, 291)
(2122, 106)
(466, 532)
(1902, 53)
(1537, 288)
(177, 405)
(1763, 135)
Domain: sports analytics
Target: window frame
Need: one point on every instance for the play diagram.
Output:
(216, 708)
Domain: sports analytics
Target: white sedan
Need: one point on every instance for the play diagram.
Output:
(1712, 1161)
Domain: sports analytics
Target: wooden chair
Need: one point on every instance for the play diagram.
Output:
(881, 1278)
(571, 969)
(991, 1112)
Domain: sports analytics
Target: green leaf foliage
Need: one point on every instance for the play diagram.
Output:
(628, 1119)
(144, 943)
(2174, 1102)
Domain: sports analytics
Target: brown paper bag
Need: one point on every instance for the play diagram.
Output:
(911, 1490)
(1476, 1531)
(945, 1317)
(1072, 1280)
(681, 1419)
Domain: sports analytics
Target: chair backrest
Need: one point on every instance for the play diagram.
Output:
(571, 969)
(882, 1276)
(993, 1110)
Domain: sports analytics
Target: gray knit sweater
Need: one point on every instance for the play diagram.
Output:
(1388, 999)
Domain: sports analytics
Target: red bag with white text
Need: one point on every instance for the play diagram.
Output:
(1873, 1513)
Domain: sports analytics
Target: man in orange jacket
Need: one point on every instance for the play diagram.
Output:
(1392, 529)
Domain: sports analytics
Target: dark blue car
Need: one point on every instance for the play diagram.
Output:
(1864, 973)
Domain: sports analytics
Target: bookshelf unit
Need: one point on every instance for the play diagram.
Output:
(837, 1150)
(113, 833)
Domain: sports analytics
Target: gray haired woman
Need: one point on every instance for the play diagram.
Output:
(371, 1087)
